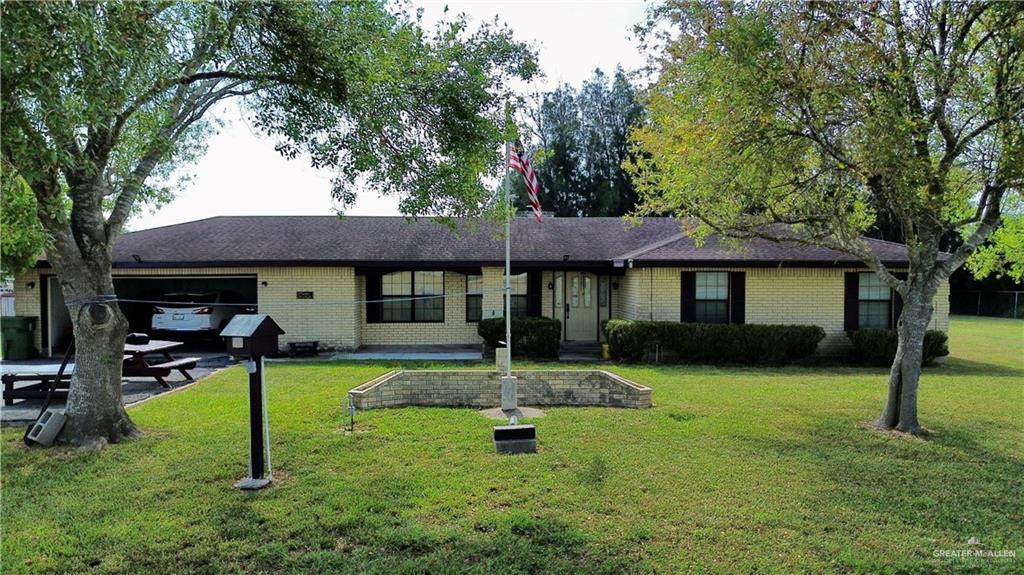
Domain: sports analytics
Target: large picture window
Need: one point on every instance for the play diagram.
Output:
(874, 302)
(412, 297)
(474, 298)
(712, 297)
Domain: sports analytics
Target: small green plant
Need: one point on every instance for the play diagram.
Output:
(596, 471)
(681, 416)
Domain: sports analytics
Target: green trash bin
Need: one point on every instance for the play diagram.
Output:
(18, 335)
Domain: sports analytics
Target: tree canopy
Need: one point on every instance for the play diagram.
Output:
(102, 101)
(579, 140)
(117, 95)
(21, 237)
(821, 116)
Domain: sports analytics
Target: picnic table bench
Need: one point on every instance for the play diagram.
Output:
(136, 364)
(36, 390)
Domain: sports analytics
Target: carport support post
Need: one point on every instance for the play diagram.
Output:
(259, 432)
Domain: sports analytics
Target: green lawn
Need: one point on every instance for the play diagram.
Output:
(732, 471)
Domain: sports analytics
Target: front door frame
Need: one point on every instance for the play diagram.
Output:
(595, 298)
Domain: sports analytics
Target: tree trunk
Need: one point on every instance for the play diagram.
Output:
(95, 408)
(900, 410)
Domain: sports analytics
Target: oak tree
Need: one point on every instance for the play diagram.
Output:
(102, 101)
(802, 122)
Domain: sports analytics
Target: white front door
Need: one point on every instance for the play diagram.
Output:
(581, 306)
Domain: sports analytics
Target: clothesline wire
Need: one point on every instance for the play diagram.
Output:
(114, 298)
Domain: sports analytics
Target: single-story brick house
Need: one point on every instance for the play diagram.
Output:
(315, 275)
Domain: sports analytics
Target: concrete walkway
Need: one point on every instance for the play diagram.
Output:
(134, 389)
(416, 353)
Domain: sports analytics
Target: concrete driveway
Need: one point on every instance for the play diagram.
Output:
(135, 389)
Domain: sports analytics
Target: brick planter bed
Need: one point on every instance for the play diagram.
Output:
(466, 388)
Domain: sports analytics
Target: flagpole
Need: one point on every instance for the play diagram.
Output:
(508, 263)
(509, 395)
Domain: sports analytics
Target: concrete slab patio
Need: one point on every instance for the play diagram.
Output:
(134, 389)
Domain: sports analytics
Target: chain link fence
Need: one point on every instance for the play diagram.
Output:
(987, 303)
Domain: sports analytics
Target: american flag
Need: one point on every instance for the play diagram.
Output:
(520, 162)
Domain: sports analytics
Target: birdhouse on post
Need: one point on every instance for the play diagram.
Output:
(250, 337)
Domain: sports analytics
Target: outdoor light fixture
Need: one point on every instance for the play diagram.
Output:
(551, 285)
(31, 285)
(263, 283)
(615, 285)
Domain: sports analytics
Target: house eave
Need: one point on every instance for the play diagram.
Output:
(613, 266)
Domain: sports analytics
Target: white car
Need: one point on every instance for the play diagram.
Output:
(198, 312)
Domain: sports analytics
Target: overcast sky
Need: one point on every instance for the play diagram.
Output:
(241, 174)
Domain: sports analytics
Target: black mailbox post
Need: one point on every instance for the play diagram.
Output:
(250, 337)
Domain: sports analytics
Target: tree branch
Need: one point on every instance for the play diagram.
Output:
(190, 109)
(988, 224)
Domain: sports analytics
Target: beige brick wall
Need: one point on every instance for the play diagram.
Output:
(940, 317)
(454, 330)
(774, 295)
(494, 284)
(547, 296)
(630, 304)
(483, 389)
(793, 296)
(329, 318)
(618, 296)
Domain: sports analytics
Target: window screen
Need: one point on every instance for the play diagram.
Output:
(874, 302)
(474, 298)
(712, 297)
(412, 296)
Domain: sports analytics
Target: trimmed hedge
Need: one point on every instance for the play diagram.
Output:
(531, 336)
(878, 346)
(713, 343)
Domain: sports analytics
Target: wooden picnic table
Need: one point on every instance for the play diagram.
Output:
(137, 365)
(35, 382)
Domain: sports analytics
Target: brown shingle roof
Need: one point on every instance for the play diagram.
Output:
(356, 240)
(685, 249)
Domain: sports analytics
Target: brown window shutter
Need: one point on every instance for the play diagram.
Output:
(373, 295)
(688, 301)
(852, 283)
(737, 297)
(897, 302)
(533, 294)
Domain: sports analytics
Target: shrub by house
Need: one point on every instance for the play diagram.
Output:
(878, 346)
(531, 336)
(630, 340)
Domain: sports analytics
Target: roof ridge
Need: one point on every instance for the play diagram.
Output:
(890, 242)
(173, 225)
(650, 247)
(375, 217)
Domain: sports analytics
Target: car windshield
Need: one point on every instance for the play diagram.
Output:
(210, 297)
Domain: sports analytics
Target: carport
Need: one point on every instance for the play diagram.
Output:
(55, 324)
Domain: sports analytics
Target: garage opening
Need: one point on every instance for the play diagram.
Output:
(56, 325)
